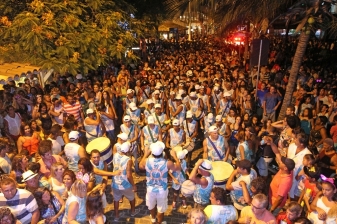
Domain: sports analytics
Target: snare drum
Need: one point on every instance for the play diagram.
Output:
(221, 172)
(102, 144)
(187, 188)
(189, 146)
(177, 148)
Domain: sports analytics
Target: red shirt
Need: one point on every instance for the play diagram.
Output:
(280, 186)
(282, 217)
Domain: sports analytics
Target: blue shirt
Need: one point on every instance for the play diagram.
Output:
(271, 100)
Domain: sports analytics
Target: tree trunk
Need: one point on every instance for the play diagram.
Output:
(300, 50)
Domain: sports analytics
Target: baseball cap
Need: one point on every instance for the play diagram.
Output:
(125, 147)
(182, 154)
(193, 94)
(133, 106)
(157, 105)
(79, 76)
(210, 117)
(189, 114)
(123, 136)
(129, 91)
(149, 101)
(312, 172)
(127, 118)
(218, 118)
(206, 165)
(244, 164)
(213, 129)
(90, 111)
(156, 92)
(28, 175)
(150, 120)
(175, 122)
(289, 163)
(73, 135)
(178, 97)
(156, 149)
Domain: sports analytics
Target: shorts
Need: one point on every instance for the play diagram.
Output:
(159, 199)
(128, 193)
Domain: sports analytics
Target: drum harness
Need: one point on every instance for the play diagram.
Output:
(216, 150)
(148, 128)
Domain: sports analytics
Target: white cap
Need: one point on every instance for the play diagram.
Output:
(161, 144)
(213, 129)
(189, 114)
(193, 94)
(175, 122)
(197, 87)
(157, 105)
(79, 76)
(73, 135)
(156, 149)
(206, 165)
(129, 91)
(178, 97)
(158, 84)
(123, 136)
(182, 154)
(218, 118)
(150, 120)
(189, 73)
(227, 94)
(172, 93)
(156, 92)
(210, 117)
(127, 118)
(90, 111)
(28, 175)
(149, 101)
(125, 147)
(133, 106)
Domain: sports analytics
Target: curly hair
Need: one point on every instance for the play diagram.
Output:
(87, 165)
(17, 163)
(5, 212)
(94, 205)
(259, 184)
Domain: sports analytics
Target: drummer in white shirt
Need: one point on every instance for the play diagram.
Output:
(94, 127)
(214, 146)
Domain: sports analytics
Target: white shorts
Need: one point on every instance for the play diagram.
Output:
(159, 199)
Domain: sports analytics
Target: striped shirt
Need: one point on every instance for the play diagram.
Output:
(73, 109)
(22, 205)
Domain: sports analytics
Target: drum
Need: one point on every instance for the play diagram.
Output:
(187, 188)
(102, 144)
(177, 148)
(189, 146)
(221, 172)
(198, 115)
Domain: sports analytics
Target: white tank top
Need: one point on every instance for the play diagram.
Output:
(14, 124)
(59, 119)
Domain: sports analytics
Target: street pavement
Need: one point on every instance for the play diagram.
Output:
(171, 216)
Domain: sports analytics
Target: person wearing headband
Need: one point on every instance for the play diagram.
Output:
(322, 204)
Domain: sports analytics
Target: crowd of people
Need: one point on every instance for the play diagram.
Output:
(186, 96)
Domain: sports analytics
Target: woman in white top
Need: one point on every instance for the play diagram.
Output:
(94, 208)
(108, 114)
(56, 178)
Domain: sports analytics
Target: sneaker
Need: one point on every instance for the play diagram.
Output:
(152, 220)
(137, 210)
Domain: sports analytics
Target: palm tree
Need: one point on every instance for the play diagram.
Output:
(312, 14)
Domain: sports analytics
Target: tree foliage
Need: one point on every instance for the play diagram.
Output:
(67, 35)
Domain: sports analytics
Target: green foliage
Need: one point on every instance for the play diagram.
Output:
(67, 35)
